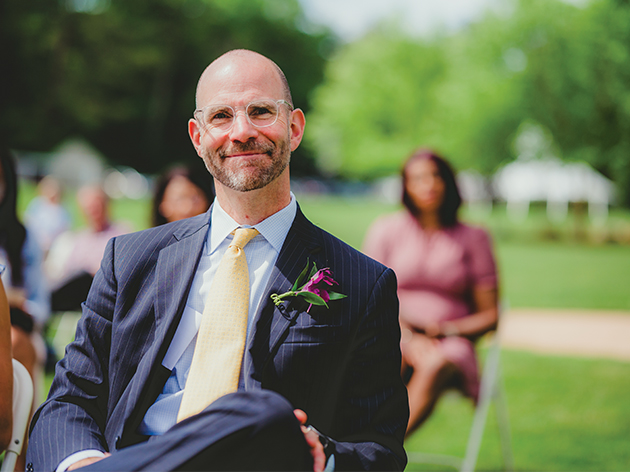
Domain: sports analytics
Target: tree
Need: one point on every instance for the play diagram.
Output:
(581, 81)
(564, 67)
(375, 104)
(123, 74)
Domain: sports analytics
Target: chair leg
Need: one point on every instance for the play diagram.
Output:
(503, 422)
(487, 387)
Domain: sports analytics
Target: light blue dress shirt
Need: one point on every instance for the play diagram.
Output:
(261, 253)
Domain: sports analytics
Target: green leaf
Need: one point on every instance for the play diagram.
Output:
(301, 277)
(336, 296)
(313, 271)
(313, 299)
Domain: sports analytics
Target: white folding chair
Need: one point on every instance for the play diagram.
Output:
(22, 403)
(491, 390)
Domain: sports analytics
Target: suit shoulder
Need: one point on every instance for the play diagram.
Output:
(161, 235)
(343, 253)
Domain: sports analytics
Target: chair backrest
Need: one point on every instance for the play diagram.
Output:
(22, 403)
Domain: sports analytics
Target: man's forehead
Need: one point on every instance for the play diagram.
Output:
(248, 77)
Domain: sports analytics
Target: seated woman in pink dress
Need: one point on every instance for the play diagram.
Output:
(447, 284)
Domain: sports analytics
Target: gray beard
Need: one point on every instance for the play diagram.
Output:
(246, 182)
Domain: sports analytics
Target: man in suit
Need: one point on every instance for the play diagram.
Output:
(114, 401)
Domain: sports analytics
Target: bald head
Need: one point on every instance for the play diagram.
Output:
(241, 64)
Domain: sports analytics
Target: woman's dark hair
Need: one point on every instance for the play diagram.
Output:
(197, 175)
(12, 231)
(452, 198)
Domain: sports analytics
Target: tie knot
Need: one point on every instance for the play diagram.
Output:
(242, 236)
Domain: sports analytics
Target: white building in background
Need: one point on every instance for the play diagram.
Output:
(523, 181)
(76, 162)
(538, 175)
(475, 190)
(555, 182)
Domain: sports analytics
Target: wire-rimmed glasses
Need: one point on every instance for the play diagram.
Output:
(259, 113)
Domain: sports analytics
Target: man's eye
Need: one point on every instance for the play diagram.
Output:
(260, 111)
(220, 115)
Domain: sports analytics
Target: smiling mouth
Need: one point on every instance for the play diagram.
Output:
(245, 155)
(247, 150)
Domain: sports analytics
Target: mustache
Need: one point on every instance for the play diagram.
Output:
(234, 148)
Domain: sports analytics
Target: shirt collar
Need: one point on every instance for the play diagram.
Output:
(274, 229)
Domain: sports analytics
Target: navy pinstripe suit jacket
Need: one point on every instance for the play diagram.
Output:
(341, 365)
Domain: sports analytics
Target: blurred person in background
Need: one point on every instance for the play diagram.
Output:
(6, 371)
(181, 193)
(75, 256)
(23, 279)
(447, 284)
(45, 216)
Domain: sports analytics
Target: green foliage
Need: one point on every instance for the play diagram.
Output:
(377, 97)
(123, 74)
(563, 67)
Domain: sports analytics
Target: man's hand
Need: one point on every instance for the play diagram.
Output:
(87, 461)
(312, 439)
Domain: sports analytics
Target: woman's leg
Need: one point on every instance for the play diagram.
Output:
(432, 372)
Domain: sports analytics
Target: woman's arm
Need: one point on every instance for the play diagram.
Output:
(6, 372)
(484, 292)
(484, 319)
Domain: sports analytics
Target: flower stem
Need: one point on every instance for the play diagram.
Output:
(277, 299)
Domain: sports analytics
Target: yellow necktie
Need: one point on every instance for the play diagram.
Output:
(216, 362)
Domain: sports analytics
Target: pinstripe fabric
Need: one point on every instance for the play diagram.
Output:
(340, 365)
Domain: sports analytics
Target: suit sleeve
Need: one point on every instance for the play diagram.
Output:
(373, 415)
(74, 415)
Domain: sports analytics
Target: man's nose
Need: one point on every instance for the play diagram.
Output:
(242, 130)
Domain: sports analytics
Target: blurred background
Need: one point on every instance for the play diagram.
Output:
(529, 99)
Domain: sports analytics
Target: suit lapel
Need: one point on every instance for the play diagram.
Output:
(176, 266)
(272, 322)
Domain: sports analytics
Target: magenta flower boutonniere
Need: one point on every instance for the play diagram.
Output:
(316, 291)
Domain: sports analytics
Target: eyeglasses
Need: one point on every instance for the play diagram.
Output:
(260, 113)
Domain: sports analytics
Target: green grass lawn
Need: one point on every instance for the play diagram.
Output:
(535, 271)
(565, 414)
(556, 275)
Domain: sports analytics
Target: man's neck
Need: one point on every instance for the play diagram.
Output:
(250, 208)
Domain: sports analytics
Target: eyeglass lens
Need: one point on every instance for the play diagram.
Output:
(221, 117)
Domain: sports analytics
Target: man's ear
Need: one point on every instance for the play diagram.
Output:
(298, 122)
(194, 131)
